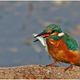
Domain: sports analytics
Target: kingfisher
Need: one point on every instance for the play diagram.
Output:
(62, 47)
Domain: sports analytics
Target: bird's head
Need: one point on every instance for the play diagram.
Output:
(50, 29)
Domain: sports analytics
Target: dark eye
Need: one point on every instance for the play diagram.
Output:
(52, 31)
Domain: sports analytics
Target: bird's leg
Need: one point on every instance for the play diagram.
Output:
(69, 67)
(53, 64)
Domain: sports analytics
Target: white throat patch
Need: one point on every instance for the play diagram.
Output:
(61, 34)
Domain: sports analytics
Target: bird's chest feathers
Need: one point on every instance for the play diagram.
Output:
(56, 48)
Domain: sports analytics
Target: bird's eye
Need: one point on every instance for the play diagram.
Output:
(52, 31)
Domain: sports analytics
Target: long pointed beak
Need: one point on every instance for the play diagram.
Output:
(42, 33)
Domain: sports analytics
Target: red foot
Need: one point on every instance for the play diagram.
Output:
(52, 64)
(69, 67)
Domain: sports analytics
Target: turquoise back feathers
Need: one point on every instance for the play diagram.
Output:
(70, 42)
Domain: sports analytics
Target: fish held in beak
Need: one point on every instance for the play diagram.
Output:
(42, 34)
(41, 39)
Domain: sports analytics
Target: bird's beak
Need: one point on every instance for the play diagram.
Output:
(41, 34)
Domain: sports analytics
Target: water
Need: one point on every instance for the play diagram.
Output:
(19, 20)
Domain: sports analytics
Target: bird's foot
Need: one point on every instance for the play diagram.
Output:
(52, 64)
(68, 68)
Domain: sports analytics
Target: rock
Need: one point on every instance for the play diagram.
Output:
(38, 72)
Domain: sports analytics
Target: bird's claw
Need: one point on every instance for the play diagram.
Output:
(68, 68)
(52, 64)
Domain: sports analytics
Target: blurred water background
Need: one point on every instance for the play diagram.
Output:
(19, 20)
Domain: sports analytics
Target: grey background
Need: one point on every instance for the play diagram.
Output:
(19, 20)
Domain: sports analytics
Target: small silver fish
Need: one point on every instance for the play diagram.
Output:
(42, 40)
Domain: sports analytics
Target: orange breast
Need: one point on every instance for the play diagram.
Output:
(59, 51)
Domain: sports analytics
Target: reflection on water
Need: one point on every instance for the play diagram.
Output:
(19, 20)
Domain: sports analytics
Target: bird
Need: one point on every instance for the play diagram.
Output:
(62, 47)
